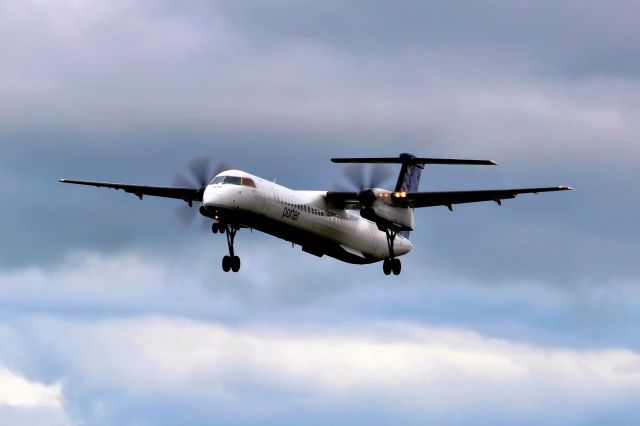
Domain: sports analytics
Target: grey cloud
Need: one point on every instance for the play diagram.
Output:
(567, 239)
(20, 416)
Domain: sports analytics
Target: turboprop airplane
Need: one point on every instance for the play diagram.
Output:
(359, 227)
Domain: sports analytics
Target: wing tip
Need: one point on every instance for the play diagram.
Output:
(566, 188)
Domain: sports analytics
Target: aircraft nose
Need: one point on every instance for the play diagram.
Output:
(210, 197)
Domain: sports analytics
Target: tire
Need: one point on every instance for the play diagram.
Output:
(386, 267)
(215, 228)
(226, 263)
(396, 266)
(235, 263)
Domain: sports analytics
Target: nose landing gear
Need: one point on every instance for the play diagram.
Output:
(231, 262)
(217, 227)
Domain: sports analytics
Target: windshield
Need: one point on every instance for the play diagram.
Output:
(234, 180)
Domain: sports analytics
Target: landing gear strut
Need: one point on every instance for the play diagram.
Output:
(391, 264)
(231, 262)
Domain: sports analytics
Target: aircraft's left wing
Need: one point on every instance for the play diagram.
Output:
(448, 198)
(187, 194)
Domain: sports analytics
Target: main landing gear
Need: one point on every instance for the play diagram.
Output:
(231, 262)
(391, 264)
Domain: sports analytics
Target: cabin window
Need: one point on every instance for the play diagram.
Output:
(217, 179)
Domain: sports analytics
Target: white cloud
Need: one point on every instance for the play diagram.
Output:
(420, 368)
(91, 333)
(17, 391)
(25, 402)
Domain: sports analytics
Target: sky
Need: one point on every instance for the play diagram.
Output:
(113, 313)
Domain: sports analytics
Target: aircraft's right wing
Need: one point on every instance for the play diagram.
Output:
(187, 194)
(448, 198)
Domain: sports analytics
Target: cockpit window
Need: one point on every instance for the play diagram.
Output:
(248, 182)
(233, 180)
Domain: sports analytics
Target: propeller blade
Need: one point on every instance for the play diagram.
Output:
(200, 170)
(222, 167)
(185, 214)
(205, 224)
(355, 173)
(339, 187)
(380, 173)
(180, 181)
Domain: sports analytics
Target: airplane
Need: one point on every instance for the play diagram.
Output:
(365, 226)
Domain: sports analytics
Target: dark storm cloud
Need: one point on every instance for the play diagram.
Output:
(132, 91)
(571, 38)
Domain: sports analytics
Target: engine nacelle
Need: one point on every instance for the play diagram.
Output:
(388, 216)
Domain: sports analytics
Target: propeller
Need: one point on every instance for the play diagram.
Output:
(378, 175)
(364, 183)
(201, 175)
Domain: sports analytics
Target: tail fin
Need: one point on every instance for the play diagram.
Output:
(409, 180)
(410, 174)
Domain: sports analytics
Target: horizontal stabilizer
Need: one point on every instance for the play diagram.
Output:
(409, 159)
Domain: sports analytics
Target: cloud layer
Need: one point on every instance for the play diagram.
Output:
(383, 369)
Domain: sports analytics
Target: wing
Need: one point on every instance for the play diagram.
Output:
(187, 194)
(349, 200)
(448, 198)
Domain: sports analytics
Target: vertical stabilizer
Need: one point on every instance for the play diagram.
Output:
(408, 179)
(410, 174)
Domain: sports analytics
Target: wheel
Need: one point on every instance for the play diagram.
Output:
(396, 266)
(215, 228)
(226, 263)
(220, 228)
(386, 267)
(235, 263)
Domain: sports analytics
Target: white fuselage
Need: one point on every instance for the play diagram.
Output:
(303, 217)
